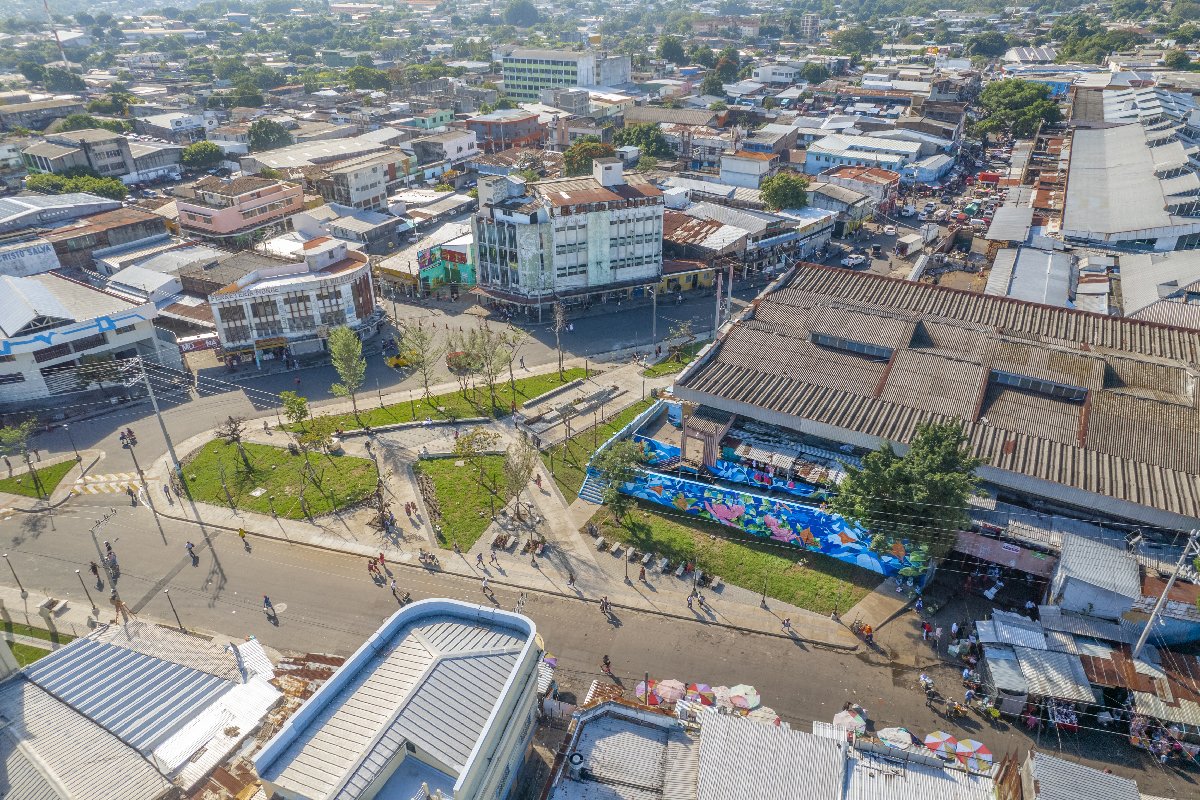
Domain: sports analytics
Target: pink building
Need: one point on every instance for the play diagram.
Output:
(229, 211)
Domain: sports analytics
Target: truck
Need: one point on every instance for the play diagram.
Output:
(908, 245)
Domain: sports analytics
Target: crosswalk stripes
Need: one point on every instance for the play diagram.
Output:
(107, 483)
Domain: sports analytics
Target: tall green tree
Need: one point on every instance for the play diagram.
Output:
(920, 496)
(646, 137)
(856, 40)
(785, 190)
(671, 50)
(202, 155)
(992, 44)
(1016, 106)
(419, 346)
(521, 13)
(577, 159)
(345, 349)
(267, 134)
(111, 188)
(295, 406)
(712, 85)
(368, 78)
(78, 122)
(617, 465)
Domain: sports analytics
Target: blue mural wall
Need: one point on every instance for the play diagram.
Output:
(795, 524)
(666, 456)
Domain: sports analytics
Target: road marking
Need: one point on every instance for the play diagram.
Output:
(107, 483)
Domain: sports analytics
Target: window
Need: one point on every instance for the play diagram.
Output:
(299, 312)
(266, 318)
(12, 377)
(124, 329)
(1061, 391)
(851, 346)
(88, 342)
(51, 353)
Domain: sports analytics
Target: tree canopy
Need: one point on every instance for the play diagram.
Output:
(111, 188)
(267, 134)
(521, 13)
(646, 137)
(670, 49)
(368, 78)
(920, 496)
(577, 159)
(78, 122)
(855, 40)
(785, 190)
(991, 44)
(202, 155)
(1016, 106)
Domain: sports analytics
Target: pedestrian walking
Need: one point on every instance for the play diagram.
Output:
(954, 630)
(267, 605)
(392, 586)
(382, 563)
(689, 602)
(787, 625)
(642, 574)
(937, 638)
(479, 559)
(457, 549)
(492, 558)
(570, 580)
(920, 605)
(926, 629)
(486, 590)
(604, 604)
(522, 362)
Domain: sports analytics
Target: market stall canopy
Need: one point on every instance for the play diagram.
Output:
(942, 743)
(671, 690)
(850, 721)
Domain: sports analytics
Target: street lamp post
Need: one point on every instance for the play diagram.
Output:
(67, 428)
(167, 593)
(15, 578)
(91, 602)
(271, 503)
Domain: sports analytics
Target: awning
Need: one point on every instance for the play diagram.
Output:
(1005, 670)
(1052, 674)
(1008, 554)
(276, 341)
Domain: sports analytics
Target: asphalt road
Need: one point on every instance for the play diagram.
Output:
(332, 605)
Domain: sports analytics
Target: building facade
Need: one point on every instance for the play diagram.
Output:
(290, 307)
(859, 151)
(577, 240)
(78, 244)
(527, 72)
(226, 211)
(37, 115)
(501, 130)
(365, 182)
(111, 155)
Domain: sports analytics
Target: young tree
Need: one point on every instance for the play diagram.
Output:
(647, 164)
(418, 345)
(920, 496)
(577, 159)
(462, 362)
(473, 445)
(15, 438)
(267, 134)
(202, 155)
(318, 433)
(785, 190)
(617, 466)
(295, 407)
(486, 349)
(520, 461)
(681, 336)
(514, 340)
(233, 431)
(345, 350)
(560, 325)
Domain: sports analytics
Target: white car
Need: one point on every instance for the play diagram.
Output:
(854, 260)
(889, 230)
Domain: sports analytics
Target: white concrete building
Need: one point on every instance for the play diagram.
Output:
(49, 323)
(440, 703)
(572, 239)
(290, 307)
(747, 169)
(28, 257)
(776, 74)
(859, 151)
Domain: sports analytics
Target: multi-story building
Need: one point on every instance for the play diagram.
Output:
(109, 154)
(12, 166)
(501, 130)
(429, 119)
(51, 323)
(747, 169)
(289, 306)
(78, 244)
(35, 210)
(455, 147)
(176, 126)
(396, 708)
(776, 74)
(234, 140)
(699, 145)
(528, 72)
(810, 26)
(37, 115)
(860, 151)
(882, 185)
(230, 211)
(365, 182)
(577, 240)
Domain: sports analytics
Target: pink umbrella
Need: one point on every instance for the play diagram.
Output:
(671, 690)
(974, 755)
(744, 696)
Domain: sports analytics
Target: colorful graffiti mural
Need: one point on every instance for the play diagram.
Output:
(791, 523)
(666, 456)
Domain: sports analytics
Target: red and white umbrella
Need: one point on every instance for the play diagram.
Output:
(974, 755)
(647, 693)
(942, 743)
(701, 693)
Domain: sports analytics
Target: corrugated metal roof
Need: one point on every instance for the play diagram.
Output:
(1010, 223)
(1099, 564)
(732, 749)
(1052, 674)
(1007, 628)
(138, 698)
(1059, 779)
(1004, 668)
(51, 752)
(875, 776)
(1055, 619)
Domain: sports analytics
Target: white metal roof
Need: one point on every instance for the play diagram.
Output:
(1052, 674)
(1059, 779)
(1101, 565)
(892, 776)
(432, 680)
(741, 758)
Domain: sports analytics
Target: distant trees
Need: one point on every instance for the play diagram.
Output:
(646, 137)
(856, 40)
(267, 134)
(202, 155)
(1016, 106)
(55, 79)
(814, 73)
(712, 85)
(78, 122)
(521, 13)
(577, 159)
(785, 190)
(670, 49)
(111, 188)
(991, 44)
(362, 78)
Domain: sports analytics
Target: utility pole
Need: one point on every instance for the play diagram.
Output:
(654, 316)
(1193, 544)
(161, 423)
(717, 318)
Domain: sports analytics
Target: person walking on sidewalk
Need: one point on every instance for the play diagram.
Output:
(457, 549)
(479, 560)
(571, 580)
(689, 602)
(642, 574)
(486, 589)
(492, 558)
(787, 625)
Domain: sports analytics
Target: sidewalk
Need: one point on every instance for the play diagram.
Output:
(560, 519)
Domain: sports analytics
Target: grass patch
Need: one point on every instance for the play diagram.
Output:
(340, 481)
(670, 366)
(50, 477)
(37, 633)
(568, 461)
(25, 654)
(466, 502)
(743, 560)
(454, 405)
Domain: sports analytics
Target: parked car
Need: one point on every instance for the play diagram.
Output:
(947, 199)
(854, 260)
(923, 216)
(889, 230)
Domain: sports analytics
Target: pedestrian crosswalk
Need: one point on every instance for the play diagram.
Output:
(107, 483)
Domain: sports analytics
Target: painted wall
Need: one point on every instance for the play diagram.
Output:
(802, 526)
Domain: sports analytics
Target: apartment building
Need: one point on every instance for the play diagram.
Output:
(528, 72)
(289, 306)
(177, 127)
(455, 147)
(882, 185)
(109, 154)
(501, 130)
(79, 243)
(229, 211)
(747, 169)
(365, 182)
(578, 240)
(37, 115)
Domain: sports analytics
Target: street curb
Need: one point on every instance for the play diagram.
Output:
(563, 595)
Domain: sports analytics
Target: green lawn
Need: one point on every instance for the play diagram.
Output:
(670, 366)
(568, 461)
(50, 477)
(37, 633)
(25, 654)
(465, 501)
(454, 405)
(339, 480)
(744, 561)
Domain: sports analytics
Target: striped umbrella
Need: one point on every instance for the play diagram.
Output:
(974, 755)
(701, 693)
(941, 743)
(647, 693)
